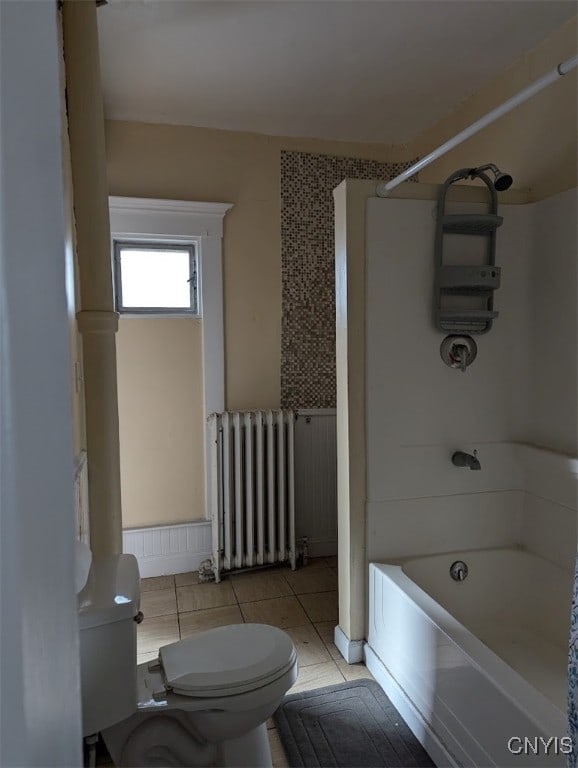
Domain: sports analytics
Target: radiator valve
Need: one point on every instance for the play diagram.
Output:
(304, 550)
(206, 571)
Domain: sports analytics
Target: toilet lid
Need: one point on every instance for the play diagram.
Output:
(227, 660)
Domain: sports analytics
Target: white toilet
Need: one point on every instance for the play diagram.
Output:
(203, 702)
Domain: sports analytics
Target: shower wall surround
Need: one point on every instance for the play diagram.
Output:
(308, 271)
(419, 411)
(520, 390)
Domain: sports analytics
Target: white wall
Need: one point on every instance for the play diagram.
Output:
(39, 661)
(551, 486)
(550, 505)
(419, 411)
(554, 392)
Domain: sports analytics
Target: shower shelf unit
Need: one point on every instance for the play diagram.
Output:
(478, 281)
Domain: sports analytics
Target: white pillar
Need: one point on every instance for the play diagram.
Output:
(97, 321)
(98, 331)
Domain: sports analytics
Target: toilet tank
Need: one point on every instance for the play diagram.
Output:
(107, 613)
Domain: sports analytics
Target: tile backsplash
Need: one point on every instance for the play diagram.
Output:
(308, 272)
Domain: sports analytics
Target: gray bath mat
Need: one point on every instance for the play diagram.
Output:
(350, 725)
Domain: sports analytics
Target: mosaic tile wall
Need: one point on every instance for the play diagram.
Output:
(308, 271)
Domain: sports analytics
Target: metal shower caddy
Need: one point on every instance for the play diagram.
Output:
(479, 281)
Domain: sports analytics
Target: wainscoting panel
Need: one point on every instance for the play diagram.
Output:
(316, 480)
(168, 549)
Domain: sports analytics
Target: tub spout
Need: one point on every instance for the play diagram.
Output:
(462, 459)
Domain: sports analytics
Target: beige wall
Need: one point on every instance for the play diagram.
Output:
(179, 162)
(536, 142)
(160, 397)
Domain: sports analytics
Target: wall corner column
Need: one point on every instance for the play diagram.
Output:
(98, 329)
(97, 320)
(350, 373)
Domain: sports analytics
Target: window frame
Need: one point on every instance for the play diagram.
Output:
(148, 220)
(120, 244)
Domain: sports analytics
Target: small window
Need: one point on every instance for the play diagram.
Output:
(155, 278)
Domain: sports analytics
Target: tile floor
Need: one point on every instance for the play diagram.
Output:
(302, 602)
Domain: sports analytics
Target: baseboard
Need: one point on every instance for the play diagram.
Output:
(418, 726)
(167, 549)
(351, 650)
(321, 547)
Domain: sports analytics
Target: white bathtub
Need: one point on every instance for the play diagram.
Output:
(473, 664)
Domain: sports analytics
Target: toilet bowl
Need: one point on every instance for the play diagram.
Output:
(203, 702)
(206, 700)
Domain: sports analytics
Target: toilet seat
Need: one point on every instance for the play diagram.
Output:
(227, 661)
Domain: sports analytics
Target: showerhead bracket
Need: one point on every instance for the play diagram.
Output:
(502, 181)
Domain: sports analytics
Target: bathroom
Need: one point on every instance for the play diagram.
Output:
(515, 404)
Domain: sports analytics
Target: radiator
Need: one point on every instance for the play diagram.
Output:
(253, 496)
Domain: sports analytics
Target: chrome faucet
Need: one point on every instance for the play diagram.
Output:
(462, 459)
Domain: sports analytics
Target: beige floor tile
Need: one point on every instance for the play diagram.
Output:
(157, 582)
(317, 676)
(309, 646)
(250, 587)
(198, 597)
(327, 629)
(144, 658)
(278, 756)
(199, 621)
(314, 580)
(184, 579)
(321, 606)
(331, 561)
(159, 602)
(281, 612)
(354, 671)
(154, 633)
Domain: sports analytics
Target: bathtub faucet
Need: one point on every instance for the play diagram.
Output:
(461, 459)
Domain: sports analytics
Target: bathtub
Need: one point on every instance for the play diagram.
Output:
(479, 664)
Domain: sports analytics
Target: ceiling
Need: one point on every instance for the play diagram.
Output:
(357, 70)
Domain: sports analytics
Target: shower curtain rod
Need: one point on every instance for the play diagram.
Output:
(383, 189)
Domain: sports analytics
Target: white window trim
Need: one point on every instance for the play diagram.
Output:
(187, 222)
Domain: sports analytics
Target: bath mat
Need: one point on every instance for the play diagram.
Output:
(350, 725)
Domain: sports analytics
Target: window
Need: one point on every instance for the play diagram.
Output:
(155, 278)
